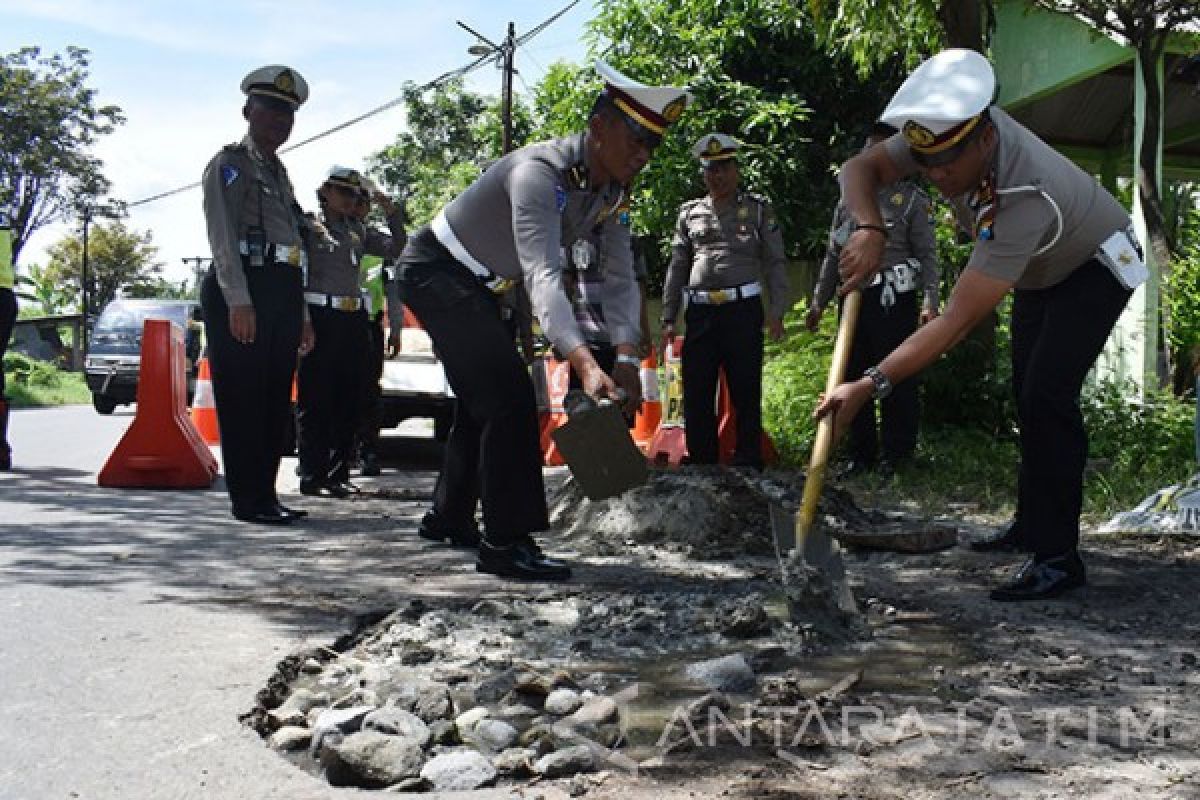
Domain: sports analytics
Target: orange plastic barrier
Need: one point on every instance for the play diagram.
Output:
(649, 413)
(727, 428)
(668, 445)
(554, 380)
(161, 449)
(204, 405)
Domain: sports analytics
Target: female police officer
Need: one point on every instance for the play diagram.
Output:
(1043, 229)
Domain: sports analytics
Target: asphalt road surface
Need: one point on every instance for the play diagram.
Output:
(135, 625)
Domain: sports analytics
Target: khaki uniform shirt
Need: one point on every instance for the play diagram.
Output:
(1036, 188)
(904, 208)
(718, 250)
(244, 188)
(333, 260)
(519, 215)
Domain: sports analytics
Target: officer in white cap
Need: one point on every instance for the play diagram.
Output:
(510, 226)
(330, 379)
(727, 248)
(890, 311)
(253, 297)
(1043, 229)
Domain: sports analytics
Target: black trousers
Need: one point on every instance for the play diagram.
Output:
(493, 450)
(879, 331)
(371, 408)
(1057, 334)
(8, 318)
(329, 403)
(252, 382)
(730, 336)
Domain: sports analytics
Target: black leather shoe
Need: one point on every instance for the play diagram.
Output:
(313, 487)
(523, 559)
(290, 513)
(268, 516)
(370, 465)
(1041, 578)
(1010, 540)
(431, 530)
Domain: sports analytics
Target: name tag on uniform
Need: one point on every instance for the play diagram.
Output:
(1119, 255)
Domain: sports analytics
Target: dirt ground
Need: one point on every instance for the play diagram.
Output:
(930, 691)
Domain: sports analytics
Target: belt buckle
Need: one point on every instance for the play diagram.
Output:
(293, 256)
(344, 303)
(720, 296)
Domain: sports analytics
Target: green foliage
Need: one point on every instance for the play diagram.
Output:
(51, 121)
(1135, 448)
(451, 134)
(118, 258)
(1181, 293)
(41, 292)
(30, 382)
(794, 372)
(870, 31)
(757, 71)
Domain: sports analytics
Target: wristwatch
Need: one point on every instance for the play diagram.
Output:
(628, 358)
(882, 386)
(870, 226)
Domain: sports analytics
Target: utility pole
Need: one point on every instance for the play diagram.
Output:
(198, 266)
(87, 220)
(504, 52)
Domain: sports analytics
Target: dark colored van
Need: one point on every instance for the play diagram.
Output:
(115, 350)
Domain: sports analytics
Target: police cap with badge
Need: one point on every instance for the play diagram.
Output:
(647, 109)
(715, 148)
(941, 104)
(280, 87)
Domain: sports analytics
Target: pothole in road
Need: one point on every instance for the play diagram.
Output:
(563, 682)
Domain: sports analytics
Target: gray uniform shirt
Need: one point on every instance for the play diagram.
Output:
(244, 188)
(718, 250)
(517, 216)
(1029, 246)
(333, 261)
(904, 208)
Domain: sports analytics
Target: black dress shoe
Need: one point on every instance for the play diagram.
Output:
(457, 537)
(370, 465)
(1041, 578)
(266, 516)
(291, 513)
(523, 559)
(313, 487)
(1010, 540)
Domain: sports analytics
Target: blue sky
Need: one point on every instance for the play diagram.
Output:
(174, 69)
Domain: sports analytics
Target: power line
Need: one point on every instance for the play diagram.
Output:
(444, 77)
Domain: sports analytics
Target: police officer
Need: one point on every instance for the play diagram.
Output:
(253, 296)
(509, 226)
(8, 317)
(726, 246)
(1043, 229)
(889, 313)
(331, 377)
(375, 279)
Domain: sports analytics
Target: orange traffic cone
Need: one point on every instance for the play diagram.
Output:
(649, 414)
(204, 405)
(727, 428)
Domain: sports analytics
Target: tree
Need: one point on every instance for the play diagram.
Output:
(118, 259)
(40, 287)
(871, 32)
(451, 134)
(51, 120)
(759, 72)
